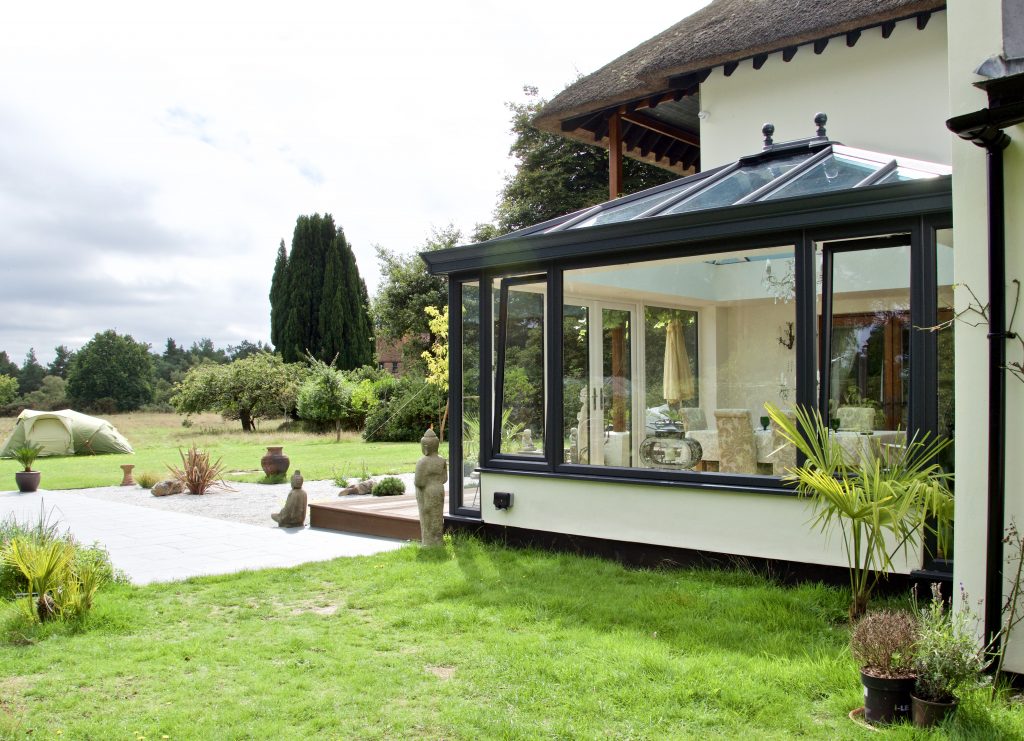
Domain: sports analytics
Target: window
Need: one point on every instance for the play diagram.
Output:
(694, 345)
(519, 372)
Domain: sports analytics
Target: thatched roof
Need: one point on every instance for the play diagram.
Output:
(724, 32)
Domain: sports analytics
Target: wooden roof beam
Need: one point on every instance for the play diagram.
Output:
(662, 128)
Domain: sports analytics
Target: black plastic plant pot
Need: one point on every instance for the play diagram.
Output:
(28, 481)
(886, 700)
(927, 714)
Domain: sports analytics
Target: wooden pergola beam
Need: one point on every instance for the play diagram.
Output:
(615, 155)
(660, 127)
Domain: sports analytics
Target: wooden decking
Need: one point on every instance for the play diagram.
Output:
(390, 517)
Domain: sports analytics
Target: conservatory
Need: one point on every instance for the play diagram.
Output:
(609, 369)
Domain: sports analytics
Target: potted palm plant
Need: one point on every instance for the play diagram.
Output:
(882, 644)
(947, 660)
(27, 479)
(881, 502)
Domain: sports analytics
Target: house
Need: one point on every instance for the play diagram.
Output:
(801, 258)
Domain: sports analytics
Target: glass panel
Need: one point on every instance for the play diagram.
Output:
(522, 403)
(670, 369)
(835, 172)
(616, 392)
(628, 210)
(576, 394)
(470, 395)
(903, 174)
(715, 336)
(869, 367)
(738, 184)
(946, 358)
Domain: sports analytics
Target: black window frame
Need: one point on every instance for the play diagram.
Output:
(918, 208)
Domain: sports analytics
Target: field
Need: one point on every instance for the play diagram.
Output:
(157, 439)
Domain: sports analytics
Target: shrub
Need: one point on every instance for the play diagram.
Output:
(947, 656)
(409, 407)
(197, 473)
(882, 643)
(57, 577)
(388, 487)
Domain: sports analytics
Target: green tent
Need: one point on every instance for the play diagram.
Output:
(65, 433)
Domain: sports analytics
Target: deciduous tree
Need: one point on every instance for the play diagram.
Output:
(8, 389)
(260, 386)
(111, 366)
(325, 395)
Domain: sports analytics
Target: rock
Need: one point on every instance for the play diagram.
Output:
(431, 475)
(293, 514)
(167, 487)
(363, 488)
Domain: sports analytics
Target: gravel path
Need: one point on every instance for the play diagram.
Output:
(251, 504)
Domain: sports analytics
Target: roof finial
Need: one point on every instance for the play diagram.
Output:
(768, 129)
(820, 119)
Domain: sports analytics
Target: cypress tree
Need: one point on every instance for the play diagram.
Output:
(304, 286)
(318, 301)
(278, 296)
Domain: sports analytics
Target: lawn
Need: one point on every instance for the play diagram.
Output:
(157, 438)
(482, 642)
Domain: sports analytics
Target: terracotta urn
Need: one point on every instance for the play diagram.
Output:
(275, 462)
(128, 480)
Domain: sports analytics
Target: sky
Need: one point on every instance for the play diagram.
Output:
(153, 156)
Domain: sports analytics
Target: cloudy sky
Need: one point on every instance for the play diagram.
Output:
(153, 156)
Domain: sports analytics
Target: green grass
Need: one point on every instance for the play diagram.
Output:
(477, 642)
(157, 438)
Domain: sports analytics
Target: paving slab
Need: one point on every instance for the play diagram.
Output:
(153, 545)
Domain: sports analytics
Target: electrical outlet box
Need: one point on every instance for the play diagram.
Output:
(502, 500)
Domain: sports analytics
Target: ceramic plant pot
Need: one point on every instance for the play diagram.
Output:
(275, 462)
(927, 714)
(28, 481)
(886, 700)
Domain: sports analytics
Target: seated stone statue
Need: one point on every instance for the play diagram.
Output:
(293, 514)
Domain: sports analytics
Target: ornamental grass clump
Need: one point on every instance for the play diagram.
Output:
(882, 643)
(948, 658)
(198, 474)
(146, 479)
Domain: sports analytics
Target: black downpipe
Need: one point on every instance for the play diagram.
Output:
(984, 128)
(997, 391)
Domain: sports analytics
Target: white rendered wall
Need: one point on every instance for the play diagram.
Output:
(979, 35)
(887, 95)
(755, 525)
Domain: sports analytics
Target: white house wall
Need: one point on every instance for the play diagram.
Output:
(886, 95)
(755, 525)
(979, 35)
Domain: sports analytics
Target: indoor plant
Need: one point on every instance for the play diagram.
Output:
(882, 644)
(880, 503)
(947, 660)
(27, 480)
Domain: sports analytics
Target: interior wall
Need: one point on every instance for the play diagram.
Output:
(886, 95)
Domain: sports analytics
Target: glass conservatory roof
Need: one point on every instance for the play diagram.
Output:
(786, 171)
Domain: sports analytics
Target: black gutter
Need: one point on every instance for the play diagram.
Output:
(855, 205)
(984, 128)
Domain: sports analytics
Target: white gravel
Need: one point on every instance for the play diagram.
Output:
(251, 504)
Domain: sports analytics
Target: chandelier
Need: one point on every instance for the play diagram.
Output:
(780, 287)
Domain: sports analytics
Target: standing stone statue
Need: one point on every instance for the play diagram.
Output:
(294, 512)
(431, 475)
